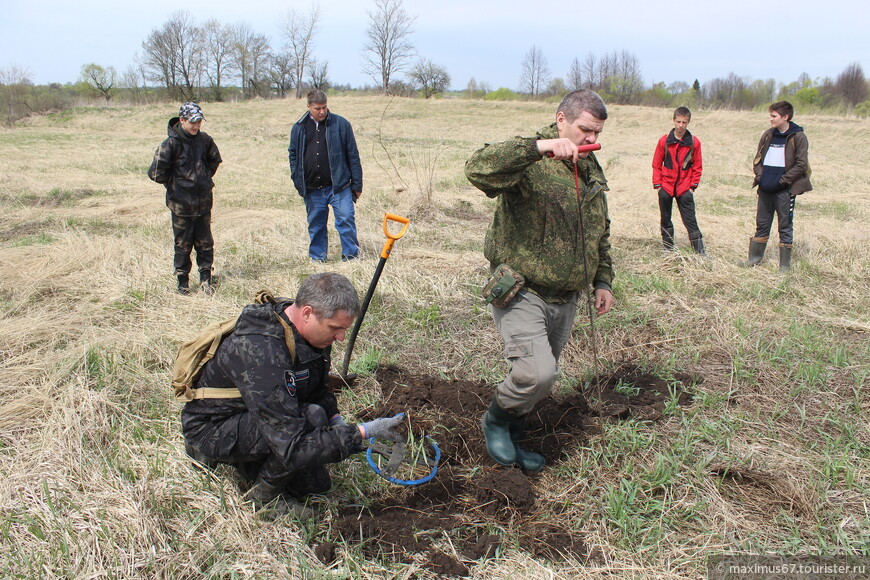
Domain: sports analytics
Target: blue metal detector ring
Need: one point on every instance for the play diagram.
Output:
(407, 482)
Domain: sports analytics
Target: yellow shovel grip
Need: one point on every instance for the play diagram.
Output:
(391, 238)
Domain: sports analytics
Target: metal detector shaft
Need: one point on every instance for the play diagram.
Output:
(385, 253)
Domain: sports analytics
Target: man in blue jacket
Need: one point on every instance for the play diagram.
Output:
(326, 171)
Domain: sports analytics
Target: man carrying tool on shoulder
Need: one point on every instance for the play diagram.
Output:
(543, 235)
(263, 403)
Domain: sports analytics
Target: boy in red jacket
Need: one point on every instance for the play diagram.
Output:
(677, 170)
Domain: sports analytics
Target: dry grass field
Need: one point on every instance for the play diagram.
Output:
(770, 455)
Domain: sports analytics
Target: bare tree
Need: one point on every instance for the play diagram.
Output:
(761, 91)
(251, 54)
(589, 73)
(575, 76)
(217, 56)
(431, 78)
(318, 74)
(99, 81)
(299, 30)
(388, 49)
(625, 79)
(282, 73)
(14, 84)
(471, 89)
(135, 80)
(679, 87)
(260, 58)
(174, 55)
(535, 74)
(726, 92)
(851, 85)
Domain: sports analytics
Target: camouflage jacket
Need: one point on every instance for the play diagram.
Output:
(185, 164)
(255, 359)
(536, 226)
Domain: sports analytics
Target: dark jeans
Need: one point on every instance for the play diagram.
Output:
(780, 203)
(192, 232)
(686, 205)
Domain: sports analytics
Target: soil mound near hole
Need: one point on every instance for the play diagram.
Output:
(470, 492)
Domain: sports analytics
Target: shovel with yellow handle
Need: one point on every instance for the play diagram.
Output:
(385, 253)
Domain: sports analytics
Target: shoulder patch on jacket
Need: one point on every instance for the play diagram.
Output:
(290, 382)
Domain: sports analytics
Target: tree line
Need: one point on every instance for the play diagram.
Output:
(187, 60)
(616, 76)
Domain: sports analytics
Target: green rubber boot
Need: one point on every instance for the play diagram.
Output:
(784, 259)
(756, 252)
(496, 430)
(528, 460)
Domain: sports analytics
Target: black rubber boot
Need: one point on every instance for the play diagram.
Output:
(183, 284)
(668, 239)
(205, 282)
(698, 246)
(496, 430)
(784, 258)
(198, 457)
(528, 460)
(271, 502)
(756, 252)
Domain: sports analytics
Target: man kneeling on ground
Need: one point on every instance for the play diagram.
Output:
(286, 425)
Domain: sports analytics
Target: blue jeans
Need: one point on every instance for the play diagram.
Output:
(317, 204)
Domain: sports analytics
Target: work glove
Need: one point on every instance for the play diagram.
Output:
(336, 421)
(383, 428)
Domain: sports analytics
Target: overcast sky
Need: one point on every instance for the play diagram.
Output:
(483, 39)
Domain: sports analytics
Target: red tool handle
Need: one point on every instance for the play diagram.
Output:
(582, 148)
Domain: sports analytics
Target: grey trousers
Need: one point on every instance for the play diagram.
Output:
(534, 333)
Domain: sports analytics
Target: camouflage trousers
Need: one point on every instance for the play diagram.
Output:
(252, 456)
(192, 232)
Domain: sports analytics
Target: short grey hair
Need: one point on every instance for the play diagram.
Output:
(327, 293)
(316, 96)
(587, 100)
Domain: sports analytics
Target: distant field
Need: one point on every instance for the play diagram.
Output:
(770, 455)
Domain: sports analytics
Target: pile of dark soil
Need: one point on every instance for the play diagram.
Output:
(471, 496)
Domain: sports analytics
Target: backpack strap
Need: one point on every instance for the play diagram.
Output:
(233, 393)
(289, 338)
(209, 393)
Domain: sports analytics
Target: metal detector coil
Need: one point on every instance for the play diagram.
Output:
(396, 457)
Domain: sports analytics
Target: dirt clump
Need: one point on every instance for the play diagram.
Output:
(502, 489)
(325, 552)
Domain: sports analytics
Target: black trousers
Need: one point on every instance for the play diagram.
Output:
(686, 205)
(780, 204)
(192, 232)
